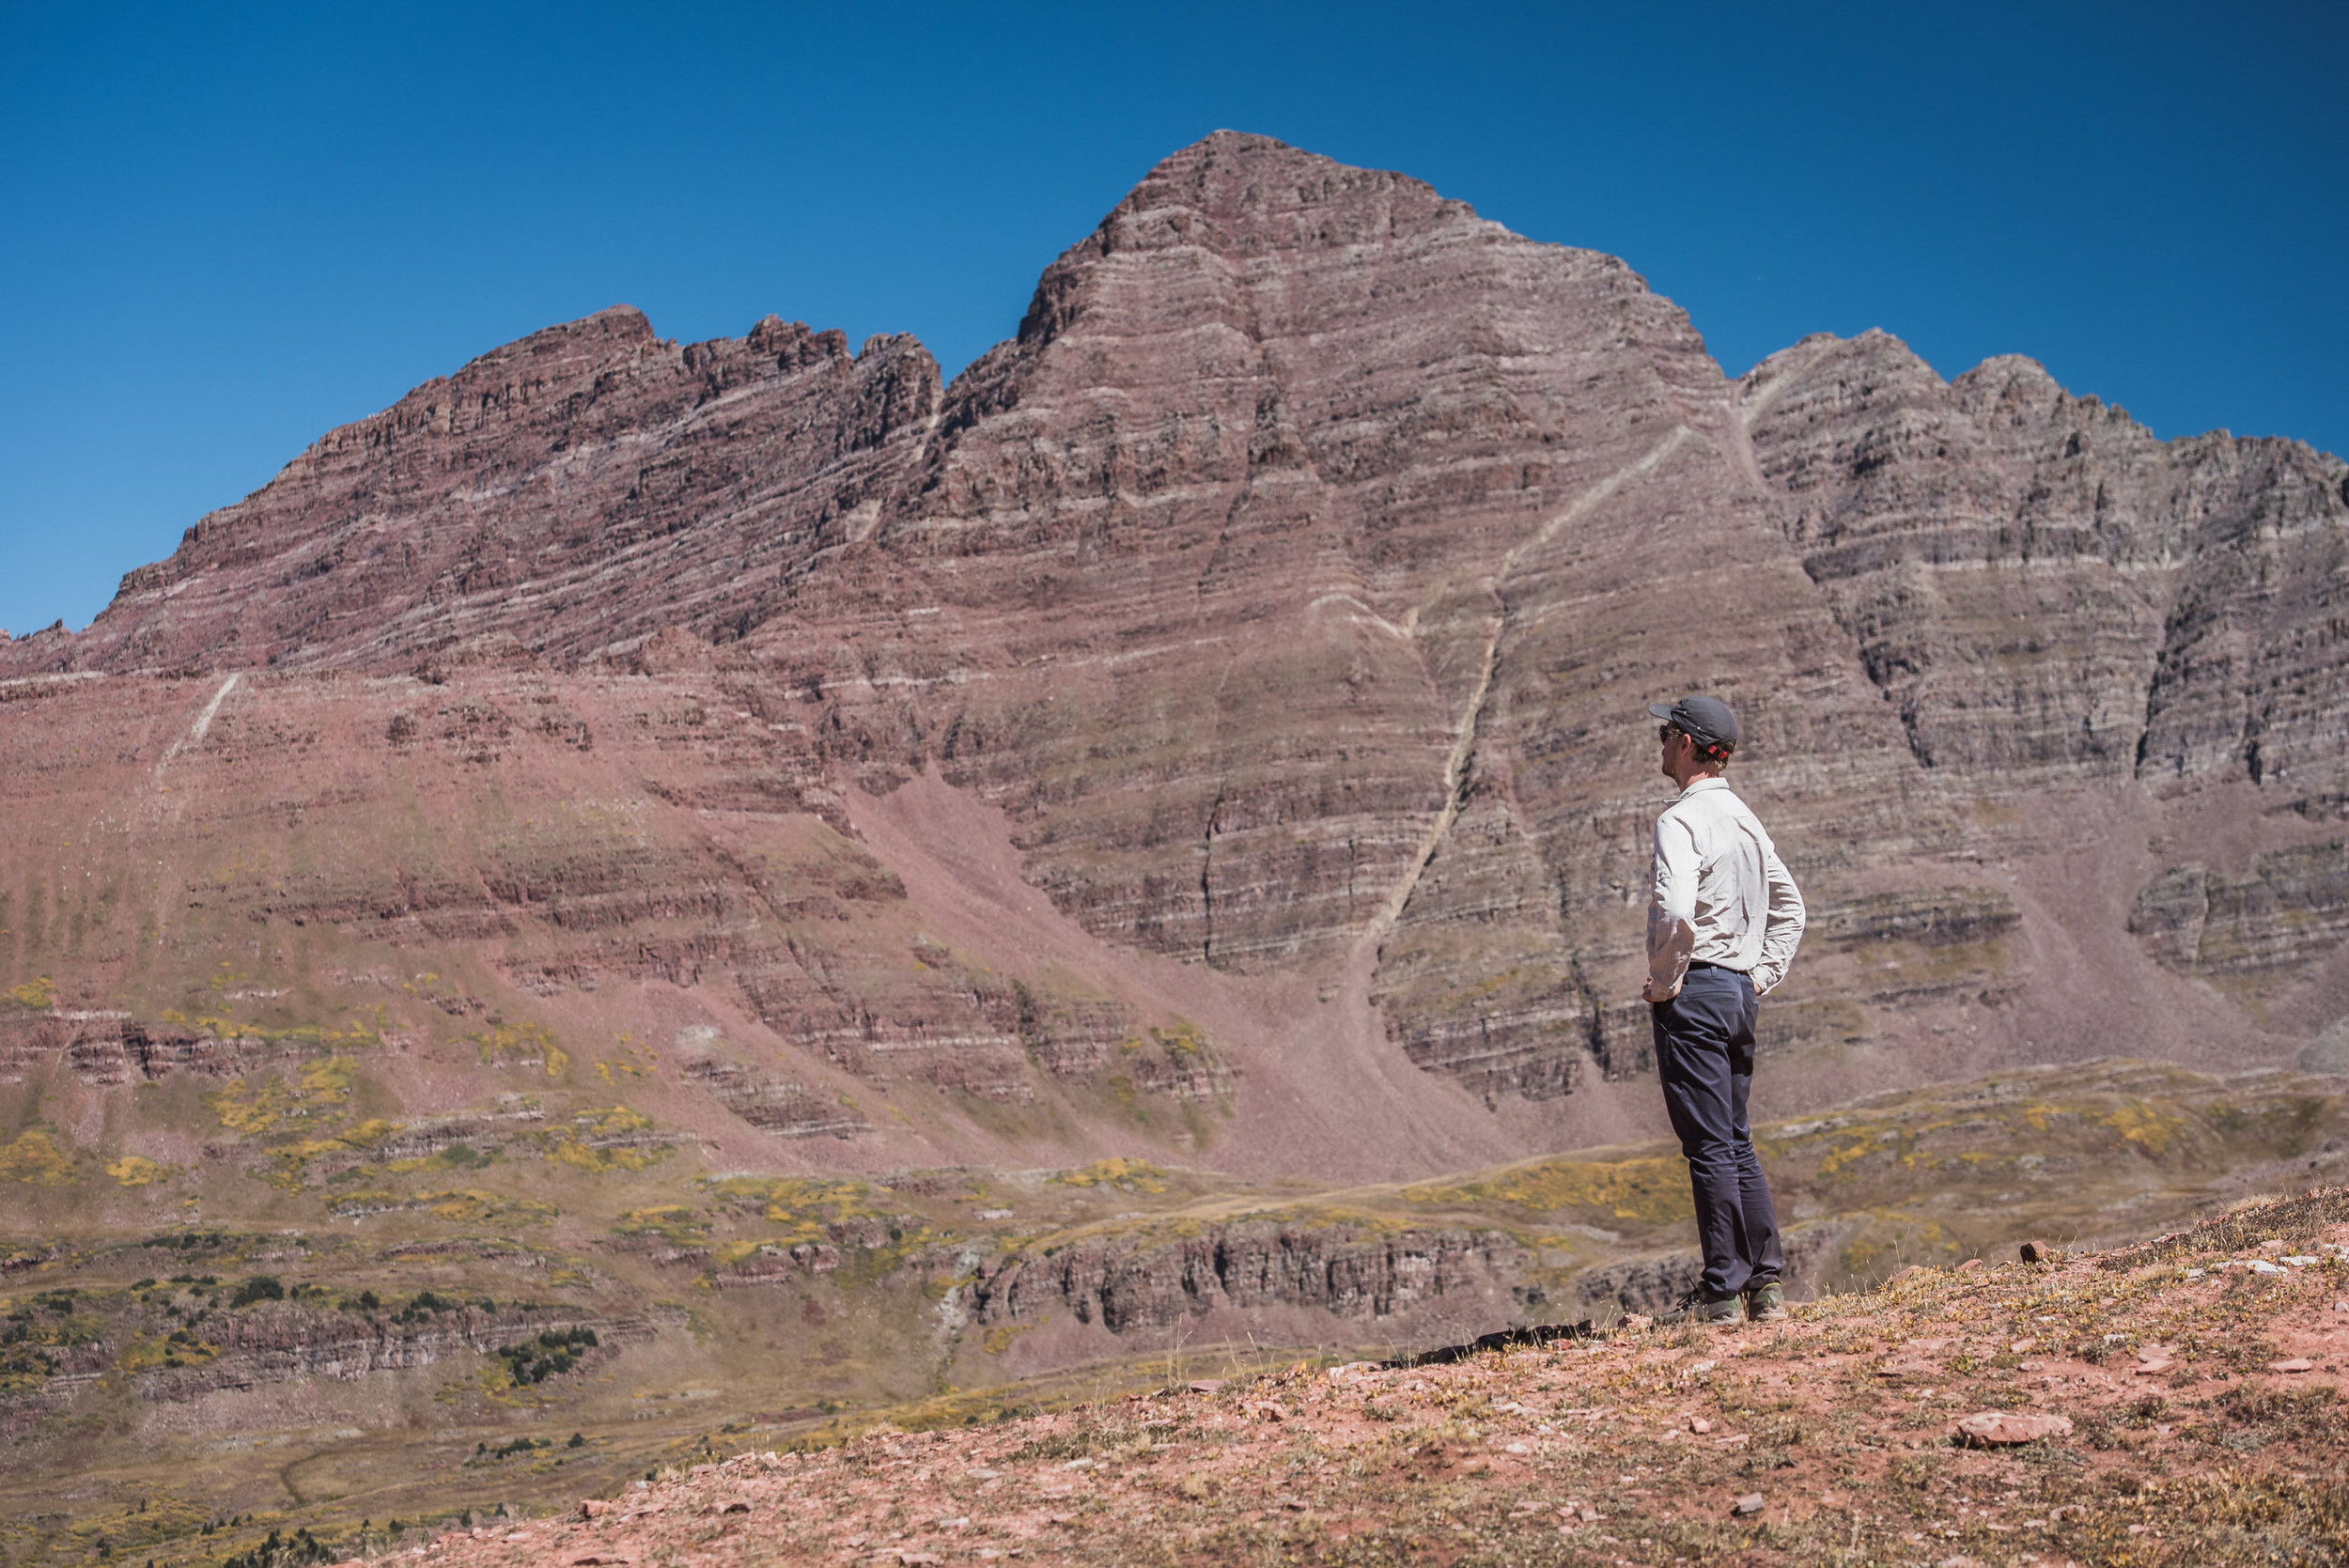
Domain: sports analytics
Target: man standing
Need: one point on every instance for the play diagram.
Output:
(1721, 927)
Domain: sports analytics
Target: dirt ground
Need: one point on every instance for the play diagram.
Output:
(2199, 1375)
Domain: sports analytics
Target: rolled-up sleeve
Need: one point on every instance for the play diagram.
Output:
(1783, 933)
(1671, 912)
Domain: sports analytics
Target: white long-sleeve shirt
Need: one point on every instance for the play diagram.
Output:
(1721, 894)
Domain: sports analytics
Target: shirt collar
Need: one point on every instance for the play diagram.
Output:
(1697, 786)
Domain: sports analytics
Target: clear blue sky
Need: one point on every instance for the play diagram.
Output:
(226, 229)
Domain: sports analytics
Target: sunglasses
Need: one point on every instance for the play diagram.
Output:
(1665, 732)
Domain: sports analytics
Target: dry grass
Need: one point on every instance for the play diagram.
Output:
(1634, 1448)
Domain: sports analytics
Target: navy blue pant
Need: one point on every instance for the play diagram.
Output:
(1704, 1055)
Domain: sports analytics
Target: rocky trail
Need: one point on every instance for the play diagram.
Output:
(2177, 1402)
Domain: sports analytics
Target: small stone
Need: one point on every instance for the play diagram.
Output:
(594, 1508)
(2293, 1364)
(736, 1506)
(1270, 1409)
(2023, 1347)
(1699, 1425)
(1204, 1385)
(2271, 1246)
(1748, 1504)
(1969, 1265)
(2006, 1428)
(2038, 1252)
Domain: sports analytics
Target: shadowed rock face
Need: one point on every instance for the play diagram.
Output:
(1296, 581)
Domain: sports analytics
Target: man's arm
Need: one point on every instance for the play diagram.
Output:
(1782, 932)
(1671, 910)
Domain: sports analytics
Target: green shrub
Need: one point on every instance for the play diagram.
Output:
(261, 1288)
(555, 1351)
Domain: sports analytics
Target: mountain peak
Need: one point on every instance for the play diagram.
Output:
(590, 339)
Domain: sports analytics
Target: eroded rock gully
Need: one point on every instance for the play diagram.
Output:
(1293, 585)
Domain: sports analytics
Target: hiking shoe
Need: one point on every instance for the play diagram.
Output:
(1765, 1302)
(1697, 1307)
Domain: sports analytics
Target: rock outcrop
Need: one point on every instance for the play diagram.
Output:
(1137, 1283)
(2285, 912)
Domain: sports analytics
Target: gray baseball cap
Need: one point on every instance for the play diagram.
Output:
(1704, 720)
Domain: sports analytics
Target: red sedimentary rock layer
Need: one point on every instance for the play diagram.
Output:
(1295, 581)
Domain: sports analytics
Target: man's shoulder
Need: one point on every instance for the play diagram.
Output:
(1713, 803)
(1703, 798)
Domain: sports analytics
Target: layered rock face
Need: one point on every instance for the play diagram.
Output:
(2046, 592)
(1295, 582)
